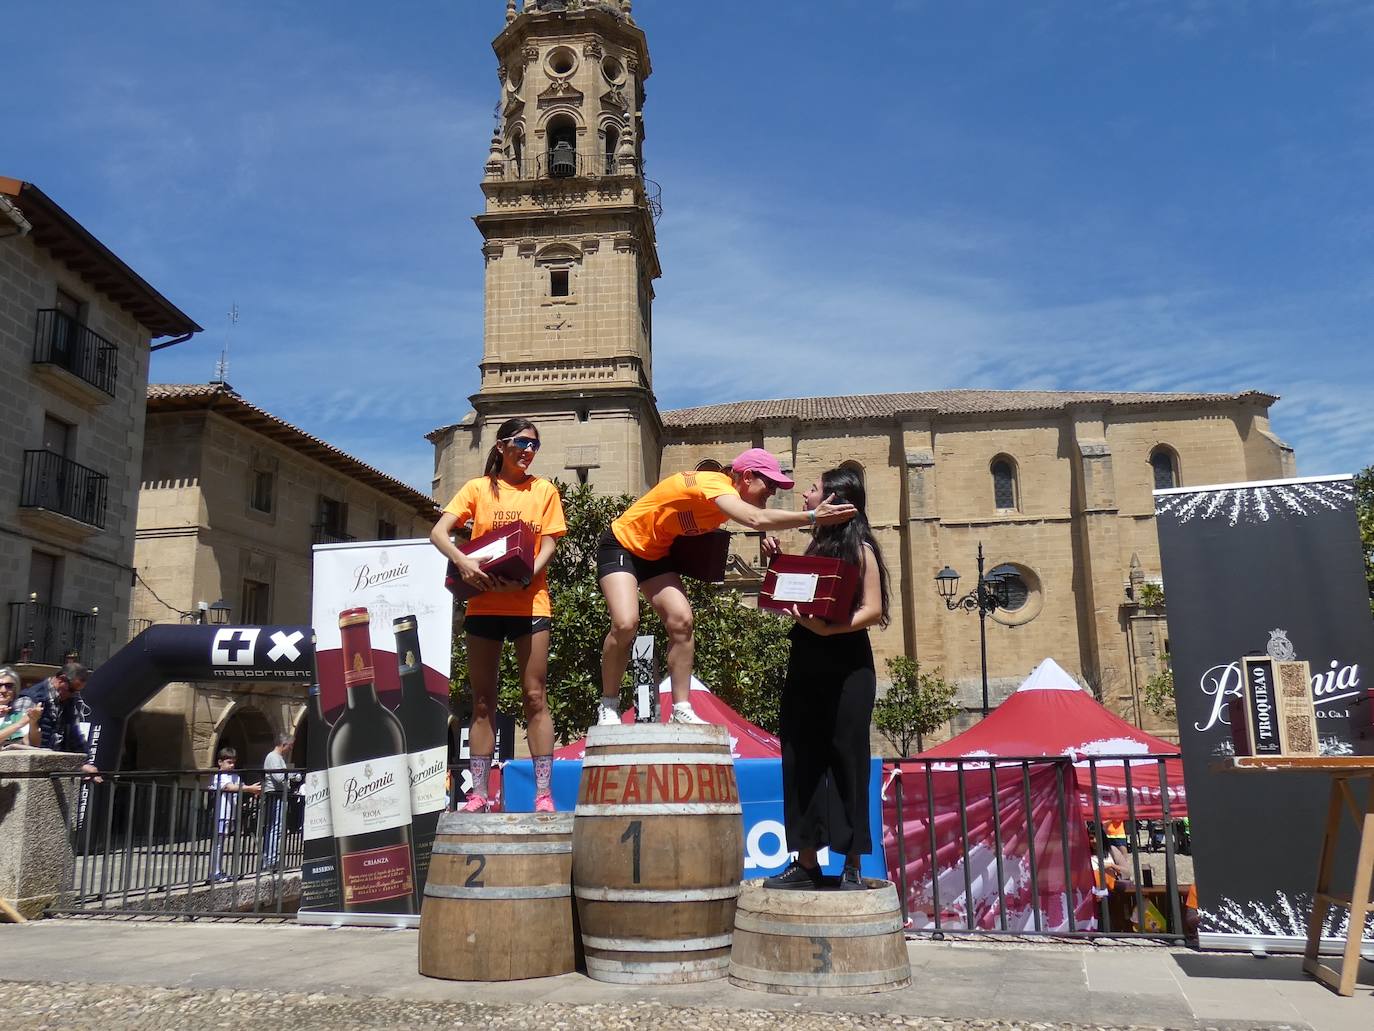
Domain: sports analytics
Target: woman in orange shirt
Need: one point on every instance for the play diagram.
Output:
(505, 493)
(633, 559)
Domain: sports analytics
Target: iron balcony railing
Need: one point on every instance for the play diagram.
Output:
(571, 164)
(60, 485)
(326, 534)
(46, 634)
(62, 341)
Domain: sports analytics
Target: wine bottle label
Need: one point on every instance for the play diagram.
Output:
(372, 795)
(317, 821)
(377, 874)
(427, 769)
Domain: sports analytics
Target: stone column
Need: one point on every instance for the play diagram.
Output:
(36, 860)
(920, 539)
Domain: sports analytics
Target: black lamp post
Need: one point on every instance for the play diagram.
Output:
(989, 595)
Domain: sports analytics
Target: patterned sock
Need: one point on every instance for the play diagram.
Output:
(480, 765)
(543, 774)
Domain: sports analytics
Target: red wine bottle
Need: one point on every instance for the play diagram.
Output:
(369, 787)
(319, 865)
(424, 718)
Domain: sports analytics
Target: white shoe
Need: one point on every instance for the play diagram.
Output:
(684, 713)
(607, 717)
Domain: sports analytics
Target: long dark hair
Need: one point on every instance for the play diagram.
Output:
(505, 431)
(846, 541)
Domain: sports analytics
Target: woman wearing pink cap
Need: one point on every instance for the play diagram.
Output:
(633, 559)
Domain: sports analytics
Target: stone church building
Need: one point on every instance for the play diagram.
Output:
(1055, 486)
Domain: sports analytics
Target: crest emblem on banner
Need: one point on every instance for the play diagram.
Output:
(1280, 648)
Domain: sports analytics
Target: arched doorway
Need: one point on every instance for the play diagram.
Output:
(249, 733)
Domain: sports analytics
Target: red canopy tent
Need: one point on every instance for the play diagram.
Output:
(1049, 714)
(746, 740)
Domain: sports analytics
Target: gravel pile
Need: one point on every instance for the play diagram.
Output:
(77, 1007)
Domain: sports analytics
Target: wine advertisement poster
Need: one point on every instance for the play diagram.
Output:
(1273, 573)
(383, 625)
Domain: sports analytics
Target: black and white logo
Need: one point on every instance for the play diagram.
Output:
(234, 646)
(285, 644)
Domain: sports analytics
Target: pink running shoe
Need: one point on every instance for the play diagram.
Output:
(544, 804)
(476, 804)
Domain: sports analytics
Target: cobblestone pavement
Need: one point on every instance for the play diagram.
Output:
(77, 1007)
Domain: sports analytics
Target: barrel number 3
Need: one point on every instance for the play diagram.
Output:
(472, 881)
(634, 831)
(822, 955)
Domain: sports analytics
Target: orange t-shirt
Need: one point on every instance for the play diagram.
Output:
(536, 502)
(682, 505)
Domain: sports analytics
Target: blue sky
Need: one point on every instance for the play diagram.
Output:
(858, 196)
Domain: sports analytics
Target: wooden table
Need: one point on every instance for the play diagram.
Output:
(1345, 771)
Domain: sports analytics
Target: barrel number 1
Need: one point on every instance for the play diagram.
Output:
(636, 831)
(472, 881)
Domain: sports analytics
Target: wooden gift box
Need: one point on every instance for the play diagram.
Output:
(506, 552)
(817, 586)
(701, 555)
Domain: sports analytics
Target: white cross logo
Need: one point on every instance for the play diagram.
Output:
(285, 644)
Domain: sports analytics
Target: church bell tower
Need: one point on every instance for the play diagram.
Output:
(571, 258)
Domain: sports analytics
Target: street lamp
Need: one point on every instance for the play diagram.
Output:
(988, 595)
(216, 614)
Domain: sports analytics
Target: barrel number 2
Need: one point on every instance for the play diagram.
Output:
(634, 831)
(472, 881)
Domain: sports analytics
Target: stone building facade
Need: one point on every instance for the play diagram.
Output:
(1056, 486)
(232, 501)
(77, 326)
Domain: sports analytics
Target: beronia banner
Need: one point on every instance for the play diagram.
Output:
(1251, 570)
(377, 745)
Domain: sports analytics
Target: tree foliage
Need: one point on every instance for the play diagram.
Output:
(741, 653)
(915, 705)
(1159, 691)
(1364, 508)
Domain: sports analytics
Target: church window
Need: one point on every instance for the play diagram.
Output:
(612, 141)
(1004, 493)
(1014, 591)
(558, 282)
(517, 151)
(1164, 463)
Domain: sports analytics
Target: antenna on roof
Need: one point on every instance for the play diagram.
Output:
(222, 366)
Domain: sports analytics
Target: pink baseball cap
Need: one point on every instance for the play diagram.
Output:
(757, 460)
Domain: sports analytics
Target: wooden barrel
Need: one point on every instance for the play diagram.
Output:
(498, 901)
(819, 942)
(658, 853)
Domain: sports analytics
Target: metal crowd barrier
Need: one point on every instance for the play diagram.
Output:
(147, 843)
(1020, 767)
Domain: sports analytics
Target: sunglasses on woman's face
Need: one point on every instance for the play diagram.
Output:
(525, 443)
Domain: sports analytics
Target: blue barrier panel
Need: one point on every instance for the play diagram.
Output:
(760, 792)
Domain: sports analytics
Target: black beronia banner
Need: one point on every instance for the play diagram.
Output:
(1253, 569)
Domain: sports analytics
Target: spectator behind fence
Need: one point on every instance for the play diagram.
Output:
(61, 710)
(18, 728)
(274, 789)
(228, 789)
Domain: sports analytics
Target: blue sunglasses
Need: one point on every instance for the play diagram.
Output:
(524, 443)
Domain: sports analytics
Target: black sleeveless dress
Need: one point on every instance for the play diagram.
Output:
(827, 703)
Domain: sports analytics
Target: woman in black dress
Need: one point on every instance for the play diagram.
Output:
(827, 703)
